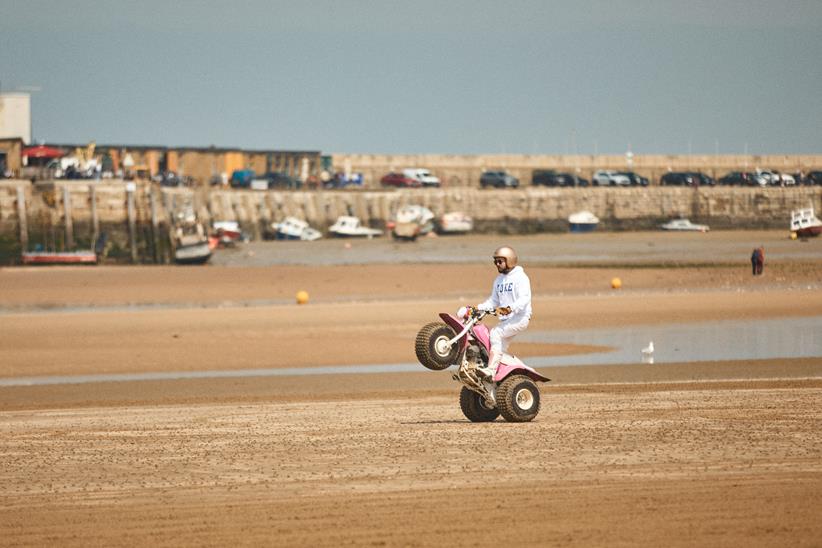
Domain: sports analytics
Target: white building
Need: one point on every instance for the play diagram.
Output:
(15, 116)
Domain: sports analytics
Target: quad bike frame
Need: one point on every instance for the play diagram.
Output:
(512, 392)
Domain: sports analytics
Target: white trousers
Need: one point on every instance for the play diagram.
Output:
(502, 335)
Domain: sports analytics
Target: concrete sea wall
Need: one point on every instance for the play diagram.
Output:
(528, 209)
(136, 216)
(465, 170)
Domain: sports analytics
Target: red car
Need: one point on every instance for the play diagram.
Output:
(399, 180)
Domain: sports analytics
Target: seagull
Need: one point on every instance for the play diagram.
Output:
(648, 353)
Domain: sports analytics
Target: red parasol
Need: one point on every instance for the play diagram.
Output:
(42, 151)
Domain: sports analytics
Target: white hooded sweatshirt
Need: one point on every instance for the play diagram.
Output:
(512, 290)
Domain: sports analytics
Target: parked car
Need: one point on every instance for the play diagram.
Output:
(498, 179)
(282, 180)
(608, 177)
(549, 177)
(686, 178)
(345, 180)
(786, 179)
(170, 178)
(399, 180)
(799, 178)
(635, 178)
(241, 178)
(742, 178)
(813, 178)
(775, 178)
(425, 177)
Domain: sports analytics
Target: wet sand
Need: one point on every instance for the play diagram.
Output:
(711, 453)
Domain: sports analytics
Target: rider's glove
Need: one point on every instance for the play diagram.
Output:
(503, 310)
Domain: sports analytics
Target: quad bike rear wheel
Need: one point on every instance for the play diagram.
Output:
(518, 399)
(432, 346)
(474, 407)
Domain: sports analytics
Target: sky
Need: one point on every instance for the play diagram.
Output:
(428, 76)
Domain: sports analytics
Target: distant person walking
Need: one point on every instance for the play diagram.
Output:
(758, 261)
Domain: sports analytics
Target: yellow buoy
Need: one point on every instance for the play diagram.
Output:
(616, 283)
(302, 297)
(793, 235)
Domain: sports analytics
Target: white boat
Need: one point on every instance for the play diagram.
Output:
(583, 221)
(189, 239)
(684, 225)
(193, 253)
(351, 227)
(412, 221)
(227, 232)
(455, 222)
(229, 228)
(804, 223)
(191, 246)
(292, 228)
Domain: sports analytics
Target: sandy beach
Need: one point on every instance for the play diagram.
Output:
(695, 453)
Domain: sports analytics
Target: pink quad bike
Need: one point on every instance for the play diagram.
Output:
(513, 391)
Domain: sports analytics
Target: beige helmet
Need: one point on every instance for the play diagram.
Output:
(508, 254)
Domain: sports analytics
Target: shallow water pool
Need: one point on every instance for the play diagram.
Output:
(689, 342)
(673, 343)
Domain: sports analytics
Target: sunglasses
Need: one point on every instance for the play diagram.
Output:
(499, 260)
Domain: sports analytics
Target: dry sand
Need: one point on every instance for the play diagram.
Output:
(714, 453)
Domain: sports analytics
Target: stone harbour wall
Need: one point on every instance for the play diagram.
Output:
(64, 214)
(529, 209)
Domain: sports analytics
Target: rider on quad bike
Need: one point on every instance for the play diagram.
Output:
(494, 382)
(511, 300)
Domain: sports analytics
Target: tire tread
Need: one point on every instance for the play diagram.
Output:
(473, 409)
(422, 346)
(505, 399)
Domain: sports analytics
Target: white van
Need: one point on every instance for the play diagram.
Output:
(609, 177)
(422, 175)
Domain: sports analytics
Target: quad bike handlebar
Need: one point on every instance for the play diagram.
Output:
(478, 313)
(472, 317)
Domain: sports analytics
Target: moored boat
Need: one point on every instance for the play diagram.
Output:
(804, 223)
(227, 232)
(292, 228)
(191, 244)
(59, 257)
(412, 221)
(193, 253)
(583, 221)
(347, 226)
(684, 225)
(455, 222)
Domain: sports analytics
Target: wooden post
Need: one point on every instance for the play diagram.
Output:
(195, 204)
(252, 210)
(154, 226)
(67, 214)
(95, 220)
(22, 219)
(166, 202)
(132, 221)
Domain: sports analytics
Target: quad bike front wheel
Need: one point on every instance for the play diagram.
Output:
(474, 407)
(518, 399)
(432, 348)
